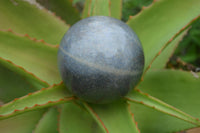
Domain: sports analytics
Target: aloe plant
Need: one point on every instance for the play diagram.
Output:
(34, 99)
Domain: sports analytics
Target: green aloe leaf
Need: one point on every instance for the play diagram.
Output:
(86, 10)
(101, 8)
(16, 82)
(24, 18)
(75, 119)
(24, 123)
(63, 8)
(36, 57)
(143, 98)
(175, 87)
(96, 8)
(152, 24)
(40, 99)
(162, 59)
(116, 8)
(113, 118)
(48, 122)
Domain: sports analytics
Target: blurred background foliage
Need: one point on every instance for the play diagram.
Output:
(189, 48)
(132, 7)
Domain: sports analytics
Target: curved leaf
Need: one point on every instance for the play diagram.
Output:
(24, 123)
(175, 87)
(43, 98)
(63, 8)
(96, 8)
(143, 98)
(116, 8)
(25, 18)
(101, 8)
(16, 82)
(86, 10)
(72, 116)
(35, 57)
(114, 117)
(162, 59)
(48, 122)
(162, 21)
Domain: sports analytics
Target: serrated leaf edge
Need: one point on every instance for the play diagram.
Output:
(35, 106)
(58, 118)
(48, 12)
(195, 122)
(95, 115)
(143, 9)
(25, 71)
(173, 38)
(132, 115)
(178, 44)
(30, 38)
(166, 44)
(42, 89)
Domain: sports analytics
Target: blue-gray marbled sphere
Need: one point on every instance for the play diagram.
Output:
(100, 59)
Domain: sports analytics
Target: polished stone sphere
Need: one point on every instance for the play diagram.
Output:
(100, 59)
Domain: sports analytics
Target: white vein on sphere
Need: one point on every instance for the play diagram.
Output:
(101, 67)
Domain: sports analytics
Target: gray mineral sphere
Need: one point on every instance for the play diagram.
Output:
(100, 59)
